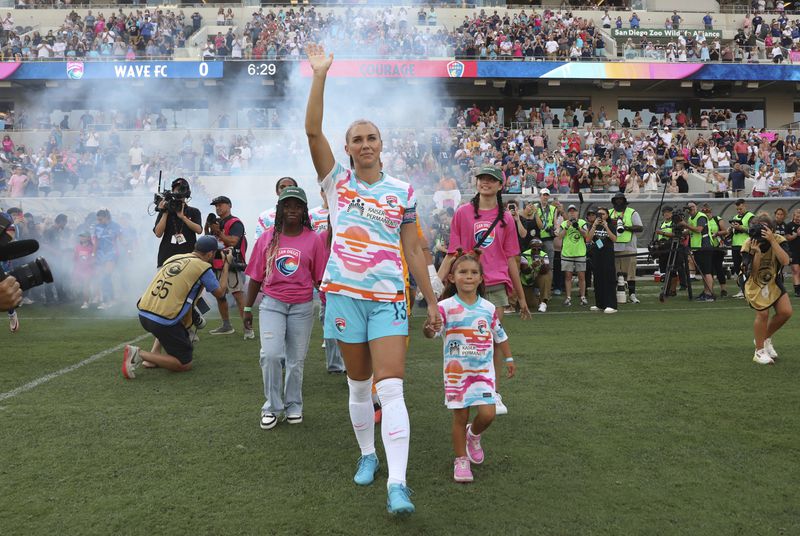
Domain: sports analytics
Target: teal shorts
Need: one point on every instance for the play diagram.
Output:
(352, 321)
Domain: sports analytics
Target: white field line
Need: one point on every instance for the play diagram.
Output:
(53, 375)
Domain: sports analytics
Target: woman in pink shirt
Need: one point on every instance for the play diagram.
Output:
(287, 262)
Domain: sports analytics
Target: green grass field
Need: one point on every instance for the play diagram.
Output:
(651, 421)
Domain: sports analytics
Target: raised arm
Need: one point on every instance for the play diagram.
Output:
(321, 153)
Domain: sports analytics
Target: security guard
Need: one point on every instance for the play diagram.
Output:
(165, 308)
(739, 226)
(702, 249)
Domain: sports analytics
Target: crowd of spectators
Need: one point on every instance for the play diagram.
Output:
(141, 33)
(589, 153)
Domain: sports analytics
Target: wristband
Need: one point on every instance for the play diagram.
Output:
(247, 309)
(509, 360)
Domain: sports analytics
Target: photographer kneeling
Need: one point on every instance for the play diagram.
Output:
(165, 308)
(764, 255)
(177, 224)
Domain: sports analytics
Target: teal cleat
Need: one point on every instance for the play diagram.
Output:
(366, 470)
(398, 502)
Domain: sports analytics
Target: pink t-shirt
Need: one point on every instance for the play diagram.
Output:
(84, 263)
(299, 265)
(502, 244)
(17, 183)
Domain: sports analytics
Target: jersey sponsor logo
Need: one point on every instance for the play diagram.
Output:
(456, 348)
(356, 205)
(288, 261)
(480, 229)
(341, 324)
(373, 213)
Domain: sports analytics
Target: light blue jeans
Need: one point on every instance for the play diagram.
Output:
(285, 333)
(333, 356)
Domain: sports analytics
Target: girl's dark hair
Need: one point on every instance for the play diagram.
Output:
(463, 256)
(277, 184)
(277, 230)
(475, 201)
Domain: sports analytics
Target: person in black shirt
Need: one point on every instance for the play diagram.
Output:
(792, 236)
(177, 230)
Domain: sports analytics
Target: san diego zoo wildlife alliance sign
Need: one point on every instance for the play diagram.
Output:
(662, 33)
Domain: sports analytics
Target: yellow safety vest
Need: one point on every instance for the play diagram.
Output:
(169, 290)
(739, 238)
(667, 228)
(547, 222)
(627, 220)
(696, 237)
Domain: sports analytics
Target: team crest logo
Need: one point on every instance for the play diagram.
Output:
(74, 70)
(340, 324)
(356, 205)
(455, 69)
(480, 229)
(391, 200)
(287, 261)
(176, 268)
(483, 327)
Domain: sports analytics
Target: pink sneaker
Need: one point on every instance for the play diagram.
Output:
(474, 450)
(461, 470)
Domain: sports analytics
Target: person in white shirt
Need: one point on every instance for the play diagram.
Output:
(650, 180)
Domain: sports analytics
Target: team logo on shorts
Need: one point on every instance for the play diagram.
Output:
(483, 327)
(287, 261)
(391, 200)
(340, 324)
(480, 229)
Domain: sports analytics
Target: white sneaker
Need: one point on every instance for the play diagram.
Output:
(27, 301)
(770, 349)
(499, 407)
(609, 310)
(268, 420)
(130, 361)
(542, 307)
(740, 295)
(594, 308)
(584, 301)
(323, 344)
(249, 334)
(568, 302)
(193, 338)
(633, 299)
(762, 357)
(85, 305)
(295, 418)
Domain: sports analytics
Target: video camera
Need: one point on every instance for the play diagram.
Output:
(174, 199)
(28, 275)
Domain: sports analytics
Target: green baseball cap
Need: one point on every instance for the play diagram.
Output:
(295, 192)
(492, 171)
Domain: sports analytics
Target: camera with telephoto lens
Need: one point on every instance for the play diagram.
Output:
(620, 226)
(574, 222)
(754, 232)
(28, 275)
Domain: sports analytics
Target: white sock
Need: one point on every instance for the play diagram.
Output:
(395, 428)
(362, 414)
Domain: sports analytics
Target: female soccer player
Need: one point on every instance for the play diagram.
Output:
(366, 311)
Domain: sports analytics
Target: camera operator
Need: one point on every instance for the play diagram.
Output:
(739, 226)
(764, 255)
(700, 242)
(602, 236)
(177, 227)
(719, 232)
(545, 214)
(229, 230)
(671, 229)
(573, 231)
(536, 276)
(165, 308)
(626, 222)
